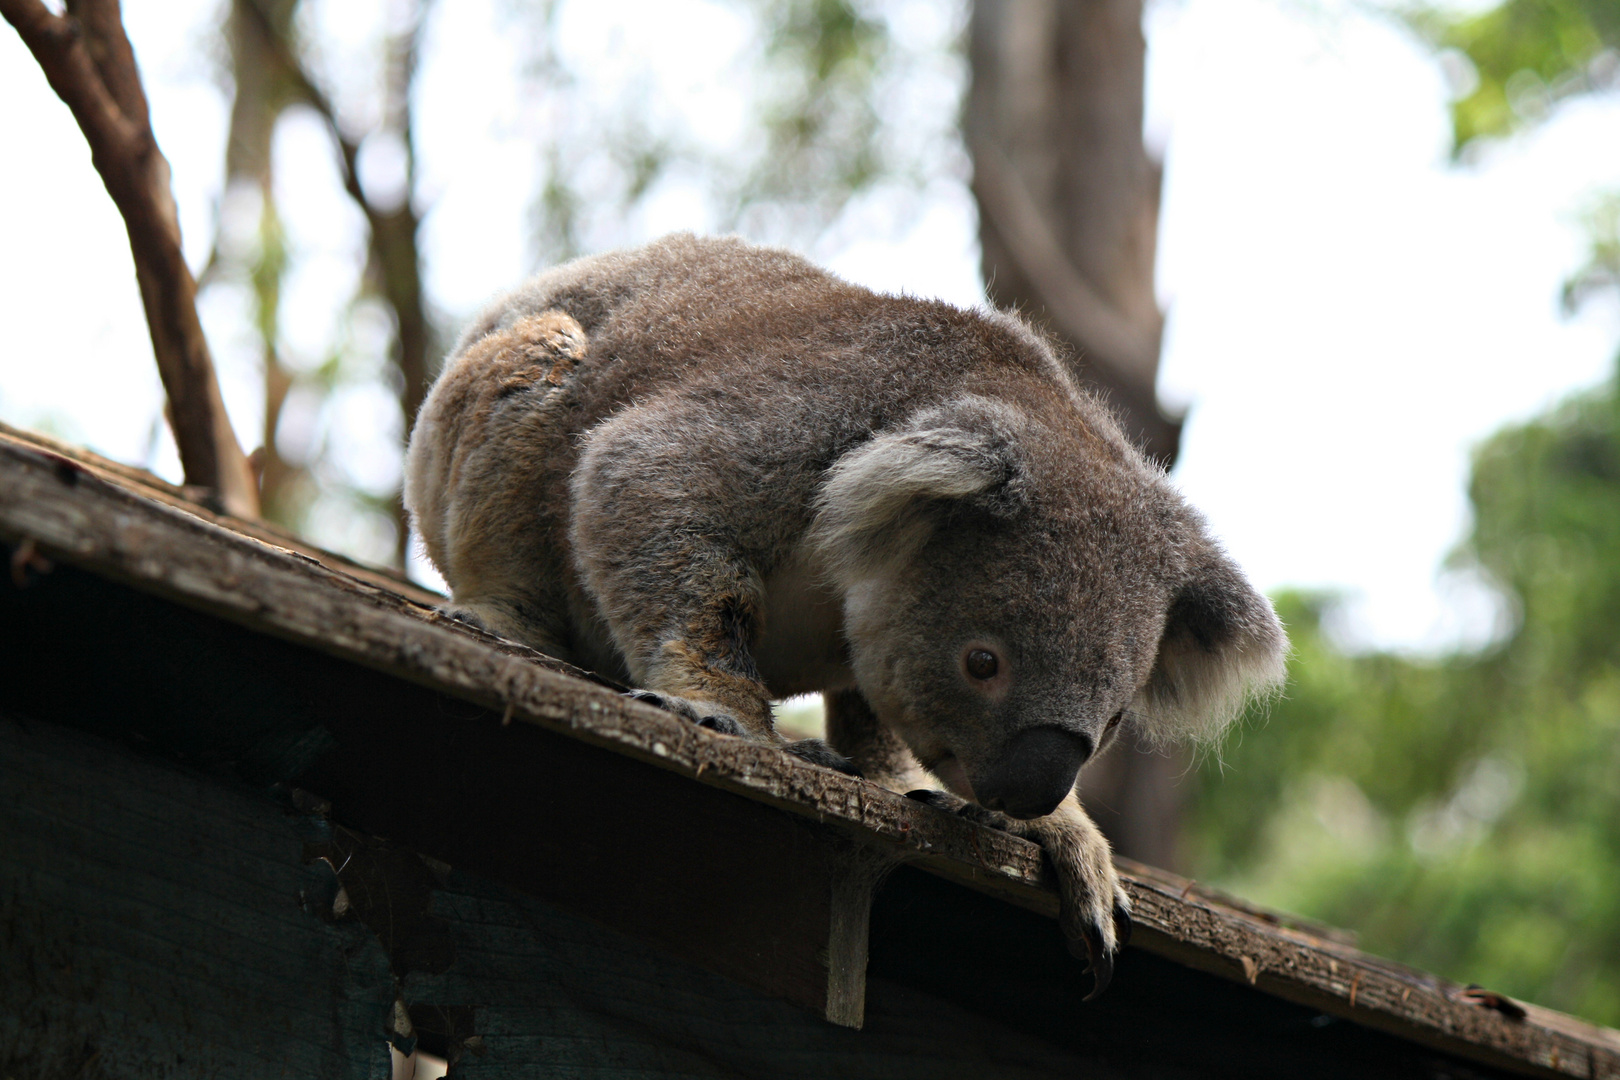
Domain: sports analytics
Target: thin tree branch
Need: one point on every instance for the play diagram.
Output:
(87, 59)
(395, 256)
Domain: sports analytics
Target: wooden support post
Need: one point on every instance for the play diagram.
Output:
(854, 876)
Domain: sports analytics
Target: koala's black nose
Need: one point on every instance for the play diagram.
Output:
(1034, 773)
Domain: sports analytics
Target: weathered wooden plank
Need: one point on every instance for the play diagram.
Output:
(113, 964)
(629, 845)
(143, 483)
(66, 510)
(963, 991)
(587, 1002)
(1160, 1018)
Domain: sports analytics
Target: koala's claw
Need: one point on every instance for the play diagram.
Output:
(1122, 925)
(817, 752)
(706, 715)
(939, 800)
(465, 616)
(1093, 947)
(1102, 961)
(722, 725)
(719, 723)
(1095, 915)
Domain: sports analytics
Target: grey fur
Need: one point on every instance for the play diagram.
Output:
(724, 475)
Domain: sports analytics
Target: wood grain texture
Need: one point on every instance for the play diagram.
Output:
(70, 511)
(155, 923)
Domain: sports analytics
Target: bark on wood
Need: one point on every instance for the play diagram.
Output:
(73, 513)
(151, 487)
(89, 63)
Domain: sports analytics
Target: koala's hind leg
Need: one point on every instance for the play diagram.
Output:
(1095, 913)
(486, 479)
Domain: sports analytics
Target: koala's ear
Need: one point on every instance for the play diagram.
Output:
(880, 502)
(1222, 648)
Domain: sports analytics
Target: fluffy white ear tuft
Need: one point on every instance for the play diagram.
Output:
(1222, 648)
(881, 501)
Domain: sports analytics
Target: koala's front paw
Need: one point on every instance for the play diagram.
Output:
(705, 714)
(1095, 913)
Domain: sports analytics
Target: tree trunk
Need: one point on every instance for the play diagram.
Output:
(1068, 197)
(1068, 221)
(264, 88)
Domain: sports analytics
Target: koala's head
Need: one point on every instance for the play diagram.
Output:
(1015, 594)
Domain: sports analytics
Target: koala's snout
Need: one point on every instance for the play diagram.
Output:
(1035, 772)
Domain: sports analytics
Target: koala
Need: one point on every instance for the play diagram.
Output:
(724, 476)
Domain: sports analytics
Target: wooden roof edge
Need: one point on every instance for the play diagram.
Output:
(71, 507)
(194, 501)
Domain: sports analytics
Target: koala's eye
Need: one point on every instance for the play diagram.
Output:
(982, 664)
(1114, 722)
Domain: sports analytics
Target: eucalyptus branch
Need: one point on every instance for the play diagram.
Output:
(87, 59)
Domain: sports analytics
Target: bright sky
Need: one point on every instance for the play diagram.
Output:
(1349, 314)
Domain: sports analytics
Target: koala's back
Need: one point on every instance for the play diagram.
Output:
(749, 371)
(764, 329)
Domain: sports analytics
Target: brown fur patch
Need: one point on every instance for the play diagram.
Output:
(711, 662)
(685, 673)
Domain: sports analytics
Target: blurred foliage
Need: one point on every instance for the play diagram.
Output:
(827, 84)
(821, 119)
(275, 66)
(1462, 814)
(1601, 274)
(1524, 56)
